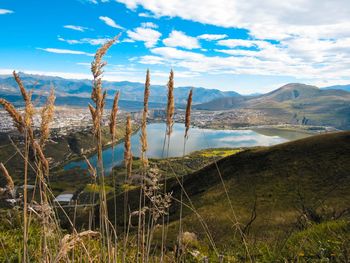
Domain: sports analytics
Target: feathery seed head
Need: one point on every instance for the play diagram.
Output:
(113, 116)
(47, 113)
(170, 104)
(188, 113)
(9, 182)
(144, 144)
(15, 115)
(127, 146)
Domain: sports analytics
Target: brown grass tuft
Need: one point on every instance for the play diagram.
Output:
(9, 182)
(91, 169)
(27, 97)
(68, 242)
(188, 113)
(113, 116)
(42, 159)
(47, 113)
(171, 104)
(144, 144)
(127, 147)
(15, 115)
(97, 95)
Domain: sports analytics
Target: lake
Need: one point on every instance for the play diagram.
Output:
(198, 139)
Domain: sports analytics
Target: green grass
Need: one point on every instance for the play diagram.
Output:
(313, 172)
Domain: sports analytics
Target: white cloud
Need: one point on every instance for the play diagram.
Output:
(211, 37)
(65, 51)
(269, 19)
(110, 22)
(149, 25)
(180, 39)
(173, 53)
(151, 60)
(91, 41)
(128, 40)
(5, 11)
(148, 15)
(76, 28)
(147, 35)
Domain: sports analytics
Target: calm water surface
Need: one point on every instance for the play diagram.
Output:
(198, 139)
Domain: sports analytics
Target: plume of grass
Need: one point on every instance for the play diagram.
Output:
(98, 96)
(171, 104)
(187, 127)
(170, 111)
(69, 242)
(91, 169)
(188, 113)
(24, 124)
(127, 147)
(144, 161)
(128, 167)
(15, 115)
(10, 186)
(113, 116)
(47, 113)
(27, 97)
(144, 144)
(41, 157)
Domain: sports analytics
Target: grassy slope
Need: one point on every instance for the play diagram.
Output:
(315, 168)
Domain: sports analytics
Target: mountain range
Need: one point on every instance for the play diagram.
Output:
(298, 103)
(292, 103)
(129, 91)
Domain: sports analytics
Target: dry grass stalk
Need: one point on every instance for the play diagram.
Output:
(41, 157)
(15, 115)
(91, 169)
(171, 104)
(113, 116)
(68, 242)
(9, 182)
(144, 144)
(188, 113)
(127, 147)
(27, 97)
(97, 95)
(47, 113)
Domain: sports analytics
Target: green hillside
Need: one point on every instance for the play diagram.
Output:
(297, 188)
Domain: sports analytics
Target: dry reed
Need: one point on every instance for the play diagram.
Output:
(14, 114)
(91, 169)
(47, 113)
(188, 113)
(68, 242)
(10, 186)
(171, 104)
(144, 144)
(127, 147)
(97, 95)
(27, 97)
(113, 116)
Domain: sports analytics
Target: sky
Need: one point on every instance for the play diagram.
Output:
(249, 46)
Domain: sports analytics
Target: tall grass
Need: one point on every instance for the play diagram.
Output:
(98, 96)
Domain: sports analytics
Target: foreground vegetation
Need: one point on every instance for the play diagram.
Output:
(268, 204)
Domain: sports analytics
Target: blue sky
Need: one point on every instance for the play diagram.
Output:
(225, 44)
